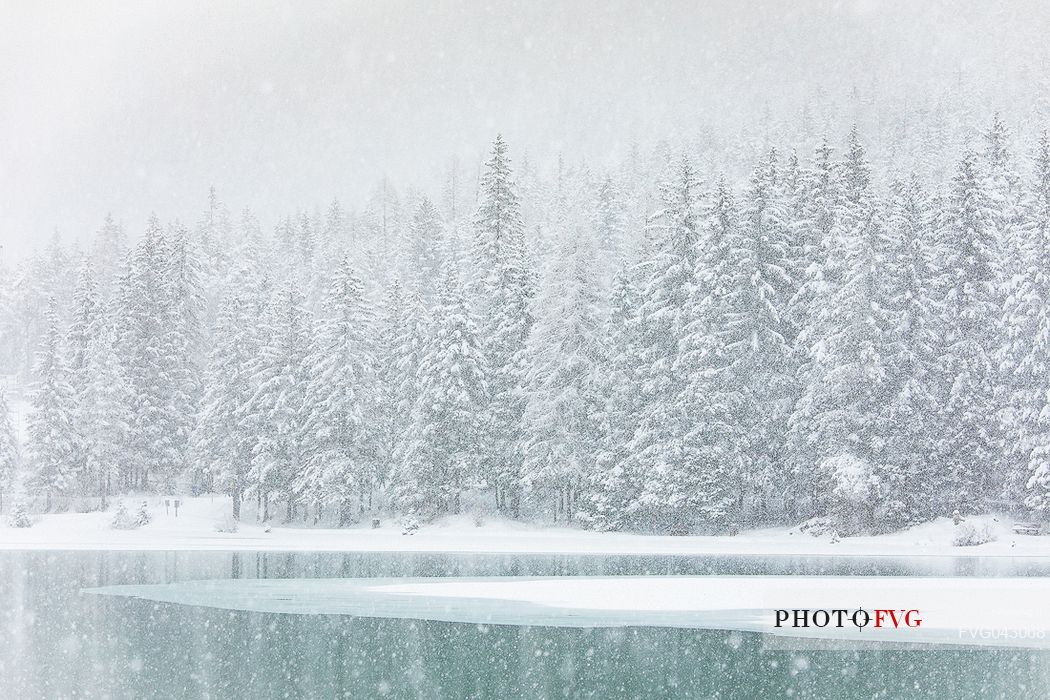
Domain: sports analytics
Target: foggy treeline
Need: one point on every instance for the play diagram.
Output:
(656, 347)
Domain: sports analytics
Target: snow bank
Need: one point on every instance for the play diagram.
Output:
(196, 529)
(953, 611)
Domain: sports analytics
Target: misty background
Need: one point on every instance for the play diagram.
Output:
(137, 107)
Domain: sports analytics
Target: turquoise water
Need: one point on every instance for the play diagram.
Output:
(56, 641)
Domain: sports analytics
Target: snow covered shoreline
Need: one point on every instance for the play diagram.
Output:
(196, 529)
(942, 610)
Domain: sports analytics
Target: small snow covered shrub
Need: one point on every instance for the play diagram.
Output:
(122, 519)
(227, 524)
(142, 517)
(410, 525)
(86, 506)
(818, 527)
(968, 535)
(19, 517)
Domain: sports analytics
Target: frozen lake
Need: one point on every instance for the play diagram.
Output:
(59, 641)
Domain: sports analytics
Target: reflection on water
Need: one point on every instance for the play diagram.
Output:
(56, 642)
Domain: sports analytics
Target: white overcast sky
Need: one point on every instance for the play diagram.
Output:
(132, 107)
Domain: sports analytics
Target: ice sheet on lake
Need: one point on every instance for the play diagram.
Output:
(970, 611)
